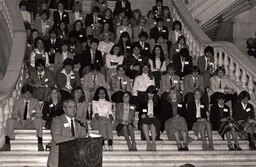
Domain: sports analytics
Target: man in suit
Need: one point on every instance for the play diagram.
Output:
(123, 5)
(93, 18)
(65, 128)
(145, 47)
(92, 81)
(60, 15)
(43, 25)
(91, 56)
(25, 115)
(159, 30)
(141, 27)
(206, 65)
(42, 80)
(158, 9)
(193, 82)
(183, 63)
(52, 45)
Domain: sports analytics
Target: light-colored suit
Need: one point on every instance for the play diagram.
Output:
(115, 84)
(166, 84)
(90, 87)
(189, 86)
(215, 82)
(61, 132)
(33, 121)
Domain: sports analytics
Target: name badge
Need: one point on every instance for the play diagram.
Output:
(72, 77)
(154, 22)
(66, 125)
(104, 21)
(121, 31)
(146, 48)
(64, 15)
(132, 107)
(33, 111)
(80, 18)
(92, 25)
(128, 47)
(99, 18)
(144, 110)
(177, 50)
(168, 20)
(175, 81)
(46, 80)
(201, 106)
(125, 82)
(211, 63)
(139, 59)
(179, 105)
(248, 109)
(47, 26)
(118, 24)
(164, 30)
(53, 51)
(179, 34)
(51, 105)
(80, 35)
(225, 110)
(186, 62)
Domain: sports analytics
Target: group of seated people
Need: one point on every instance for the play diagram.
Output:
(106, 69)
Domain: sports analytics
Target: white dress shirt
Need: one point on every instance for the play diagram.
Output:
(141, 83)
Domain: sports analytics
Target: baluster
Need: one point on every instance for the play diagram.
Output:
(231, 69)
(1, 121)
(250, 87)
(6, 112)
(237, 75)
(216, 51)
(194, 49)
(15, 94)
(220, 59)
(244, 79)
(11, 104)
(226, 62)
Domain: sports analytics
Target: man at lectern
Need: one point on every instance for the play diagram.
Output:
(65, 128)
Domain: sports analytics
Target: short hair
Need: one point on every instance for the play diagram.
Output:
(65, 42)
(53, 30)
(82, 98)
(120, 66)
(195, 69)
(243, 95)
(184, 52)
(23, 3)
(112, 50)
(159, 1)
(95, 40)
(68, 62)
(95, 66)
(159, 19)
(36, 40)
(136, 45)
(171, 65)
(143, 34)
(40, 62)
(180, 38)
(221, 96)
(66, 101)
(27, 88)
(220, 68)
(151, 89)
(96, 9)
(176, 22)
(209, 49)
(45, 12)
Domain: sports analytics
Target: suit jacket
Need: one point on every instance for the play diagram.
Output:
(191, 113)
(50, 110)
(56, 17)
(78, 35)
(58, 60)
(19, 108)
(61, 132)
(201, 63)
(115, 84)
(175, 49)
(187, 67)
(39, 26)
(48, 78)
(156, 107)
(158, 13)
(189, 85)
(214, 84)
(119, 8)
(155, 33)
(61, 80)
(56, 46)
(86, 58)
(216, 114)
(89, 20)
(144, 51)
(137, 30)
(239, 113)
(166, 84)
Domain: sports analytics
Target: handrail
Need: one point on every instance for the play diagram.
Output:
(240, 68)
(12, 82)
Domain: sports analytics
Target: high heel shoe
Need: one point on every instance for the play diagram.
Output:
(237, 147)
(230, 147)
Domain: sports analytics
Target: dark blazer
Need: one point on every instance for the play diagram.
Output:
(191, 113)
(86, 58)
(156, 108)
(216, 114)
(56, 17)
(187, 68)
(79, 35)
(118, 8)
(50, 110)
(56, 46)
(243, 114)
(201, 63)
(48, 78)
(61, 80)
(155, 33)
(89, 20)
(144, 51)
(158, 13)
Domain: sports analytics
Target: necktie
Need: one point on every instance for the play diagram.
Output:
(94, 79)
(120, 82)
(207, 64)
(142, 29)
(93, 57)
(171, 81)
(40, 76)
(195, 81)
(72, 128)
(25, 111)
(220, 83)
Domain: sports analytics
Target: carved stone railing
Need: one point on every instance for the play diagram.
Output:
(15, 40)
(238, 66)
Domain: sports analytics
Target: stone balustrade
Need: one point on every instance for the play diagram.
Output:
(241, 70)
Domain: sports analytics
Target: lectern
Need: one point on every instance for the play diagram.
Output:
(81, 152)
